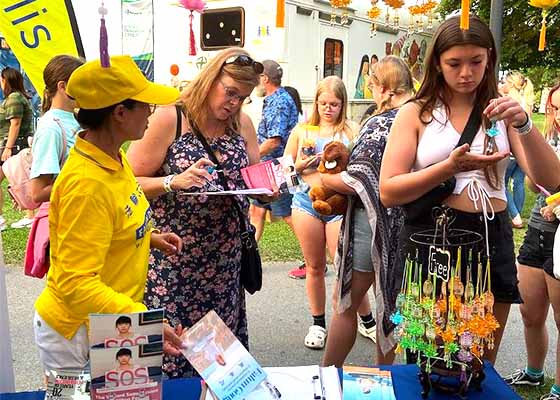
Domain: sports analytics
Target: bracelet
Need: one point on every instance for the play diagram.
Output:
(167, 183)
(526, 127)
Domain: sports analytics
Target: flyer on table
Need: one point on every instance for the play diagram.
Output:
(224, 363)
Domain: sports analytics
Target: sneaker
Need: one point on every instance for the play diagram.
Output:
(549, 396)
(22, 223)
(297, 272)
(368, 333)
(520, 377)
(3, 225)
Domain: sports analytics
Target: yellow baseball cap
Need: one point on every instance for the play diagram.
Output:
(94, 87)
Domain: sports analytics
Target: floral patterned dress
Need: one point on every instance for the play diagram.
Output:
(206, 274)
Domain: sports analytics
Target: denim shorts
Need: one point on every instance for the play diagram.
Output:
(280, 208)
(302, 202)
(536, 250)
(361, 250)
(503, 269)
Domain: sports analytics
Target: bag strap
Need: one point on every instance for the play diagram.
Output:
(221, 176)
(62, 156)
(179, 128)
(471, 129)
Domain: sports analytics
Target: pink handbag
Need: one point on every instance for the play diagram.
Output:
(36, 263)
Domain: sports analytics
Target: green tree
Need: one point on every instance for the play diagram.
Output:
(520, 36)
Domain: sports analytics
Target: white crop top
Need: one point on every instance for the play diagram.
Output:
(439, 140)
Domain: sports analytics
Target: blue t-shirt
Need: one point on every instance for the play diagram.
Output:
(279, 117)
(47, 142)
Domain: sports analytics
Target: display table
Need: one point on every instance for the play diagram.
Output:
(405, 383)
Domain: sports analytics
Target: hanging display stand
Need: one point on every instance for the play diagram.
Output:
(446, 320)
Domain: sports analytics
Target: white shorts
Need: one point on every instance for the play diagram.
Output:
(57, 352)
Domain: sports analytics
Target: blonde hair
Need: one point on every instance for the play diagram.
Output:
(395, 77)
(334, 85)
(521, 90)
(195, 95)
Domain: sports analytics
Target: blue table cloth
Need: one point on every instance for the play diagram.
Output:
(405, 383)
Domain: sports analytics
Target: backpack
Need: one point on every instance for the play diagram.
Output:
(18, 170)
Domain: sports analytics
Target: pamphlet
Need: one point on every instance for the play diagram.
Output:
(363, 383)
(67, 385)
(126, 355)
(224, 363)
(276, 175)
(127, 372)
(125, 330)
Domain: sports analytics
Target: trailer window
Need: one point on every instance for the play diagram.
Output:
(222, 28)
(334, 52)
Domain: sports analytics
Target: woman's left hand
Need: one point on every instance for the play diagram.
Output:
(7, 153)
(507, 109)
(172, 343)
(167, 242)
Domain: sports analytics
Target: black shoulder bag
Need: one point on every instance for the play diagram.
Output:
(251, 266)
(421, 208)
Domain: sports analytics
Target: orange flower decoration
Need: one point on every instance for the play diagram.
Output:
(374, 12)
(394, 3)
(340, 3)
(415, 10)
(448, 335)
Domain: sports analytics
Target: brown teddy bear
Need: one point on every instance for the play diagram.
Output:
(334, 160)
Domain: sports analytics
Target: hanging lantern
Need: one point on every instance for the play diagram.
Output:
(373, 14)
(192, 6)
(340, 4)
(395, 5)
(546, 6)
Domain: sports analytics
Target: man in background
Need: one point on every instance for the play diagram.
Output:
(279, 117)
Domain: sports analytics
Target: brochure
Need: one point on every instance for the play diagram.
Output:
(67, 385)
(125, 330)
(126, 355)
(278, 174)
(222, 361)
(363, 383)
(127, 372)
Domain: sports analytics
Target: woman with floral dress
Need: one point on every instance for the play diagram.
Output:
(206, 275)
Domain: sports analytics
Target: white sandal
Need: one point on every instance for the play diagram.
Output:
(315, 338)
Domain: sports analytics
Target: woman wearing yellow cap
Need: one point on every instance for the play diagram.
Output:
(100, 220)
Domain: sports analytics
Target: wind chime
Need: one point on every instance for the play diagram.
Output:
(446, 318)
(373, 13)
(395, 5)
(343, 4)
(546, 6)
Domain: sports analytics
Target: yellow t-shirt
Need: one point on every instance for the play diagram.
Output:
(100, 225)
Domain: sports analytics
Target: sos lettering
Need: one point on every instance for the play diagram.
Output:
(109, 343)
(38, 32)
(136, 376)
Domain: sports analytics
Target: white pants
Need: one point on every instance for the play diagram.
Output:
(57, 352)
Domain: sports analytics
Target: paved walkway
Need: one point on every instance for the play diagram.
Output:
(278, 322)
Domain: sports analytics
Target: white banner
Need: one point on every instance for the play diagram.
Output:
(138, 33)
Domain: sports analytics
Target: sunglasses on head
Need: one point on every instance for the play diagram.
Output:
(245, 61)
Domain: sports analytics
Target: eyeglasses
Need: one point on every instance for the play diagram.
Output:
(231, 93)
(323, 104)
(245, 61)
